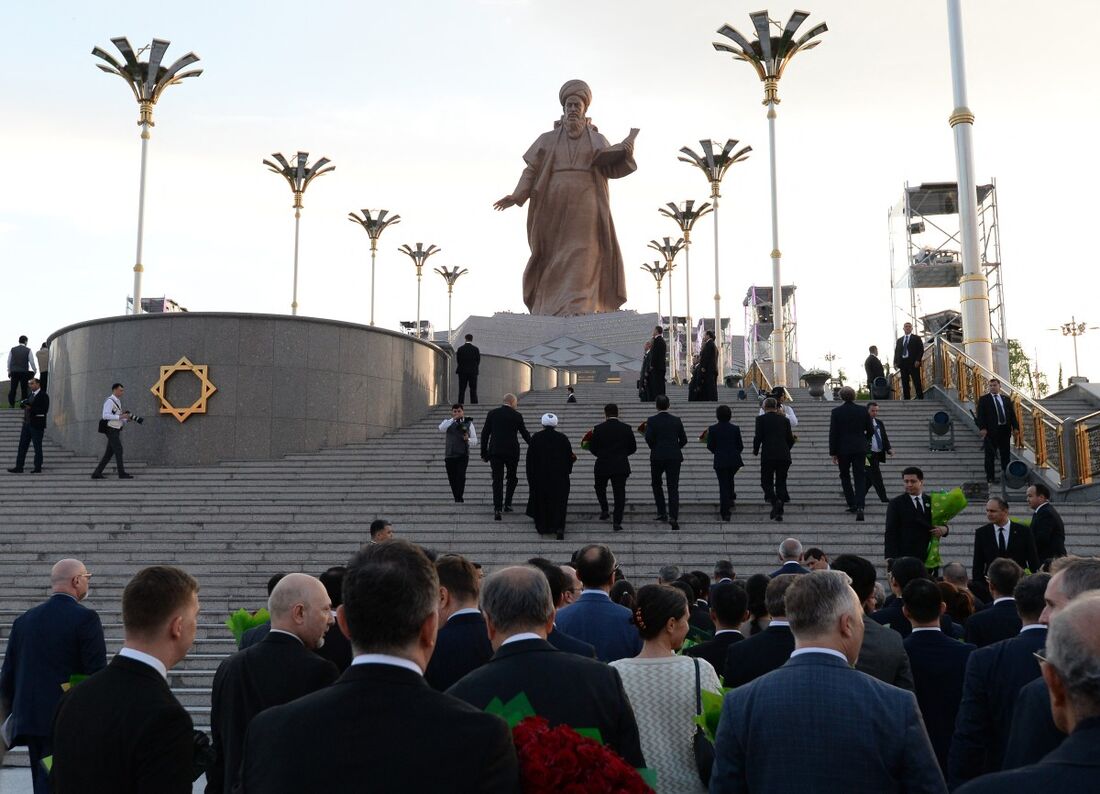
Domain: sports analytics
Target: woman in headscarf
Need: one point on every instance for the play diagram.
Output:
(549, 463)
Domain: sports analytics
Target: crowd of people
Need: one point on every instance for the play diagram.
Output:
(949, 682)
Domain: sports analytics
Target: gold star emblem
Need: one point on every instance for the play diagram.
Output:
(206, 388)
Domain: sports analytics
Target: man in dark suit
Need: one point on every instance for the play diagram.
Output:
(643, 373)
(994, 677)
(1071, 670)
(728, 609)
(123, 730)
(908, 352)
(761, 653)
(46, 647)
(500, 447)
(1034, 733)
(593, 618)
(790, 558)
(879, 448)
(1046, 524)
(938, 663)
(904, 571)
(859, 735)
(708, 368)
(355, 734)
(258, 633)
(468, 360)
(612, 443)
(336, 647)
(873, 367)
(909, 527)
(559, 583)
(882, 654)
(849, 428)
(664, 433)
(772, 441)
(658, 364)
(1002, 538)
(724, 442)
(278, 670)
(463, 641)
(563, 688)
(1001, 620)
(35, 409)
(997, 421)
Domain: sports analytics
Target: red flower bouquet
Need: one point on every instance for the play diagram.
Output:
(641, 428)
(561, 761)
(704, 435)
(586, 440)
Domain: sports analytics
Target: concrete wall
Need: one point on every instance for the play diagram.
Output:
(543, 377)
(285, 384)
(498, 376)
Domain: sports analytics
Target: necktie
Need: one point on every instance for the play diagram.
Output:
(917, 503)
(905, 347)
(1000, 409)
(1001, 540)
(878, 439)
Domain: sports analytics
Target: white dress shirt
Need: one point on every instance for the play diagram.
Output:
(112, 412)
(144, 658)
(467, 611)
(1007, 529)
(787, 412)
(448, 422)
(876, 436)
(385, 658)
(523, 635)
(829, 651)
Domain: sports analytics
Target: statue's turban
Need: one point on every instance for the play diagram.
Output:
(576, 88)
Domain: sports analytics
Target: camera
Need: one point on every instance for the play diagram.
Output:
(25, 403)
(139, 419)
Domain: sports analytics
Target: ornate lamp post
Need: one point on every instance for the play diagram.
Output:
(658, 271)
(374, 227)
(450, 276)
(1074, 329)
(685, 217)
(714, 165)
(298, 175)
(769, 56)
(668, 251)
(419, 256)
(147, 79)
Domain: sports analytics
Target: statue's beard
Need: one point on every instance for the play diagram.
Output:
(574, 126)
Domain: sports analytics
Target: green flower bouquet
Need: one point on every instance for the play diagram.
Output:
(945, 506)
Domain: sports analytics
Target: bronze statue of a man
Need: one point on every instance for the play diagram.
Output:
(575, 266)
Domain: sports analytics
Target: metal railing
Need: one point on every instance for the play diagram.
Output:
(756, 377)
(1087, 441)
(1041, 432)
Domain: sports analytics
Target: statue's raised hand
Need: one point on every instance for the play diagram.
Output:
(628, 141)
(505, 203)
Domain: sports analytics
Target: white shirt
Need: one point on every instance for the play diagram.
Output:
(1007, 528)
(448, 422)
(1031, 626)
(287, 633)
(779, 622)
(875, 436)
(523, 635)
(30, 361)
(829, 651)
(385, 658)
(727, 631)
(466, 611)
(925, 628)
(787, 412)
(1002, 598)
(112, 412)
(144, 658)
(1040, 507)
(604, 593)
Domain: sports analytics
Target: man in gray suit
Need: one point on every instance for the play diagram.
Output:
(882, 654)
(848, 731)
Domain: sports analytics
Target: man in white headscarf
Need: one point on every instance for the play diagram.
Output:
(549, 462)
(575, 266)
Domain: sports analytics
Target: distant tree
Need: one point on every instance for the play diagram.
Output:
(1060, 386)
(1020, 373)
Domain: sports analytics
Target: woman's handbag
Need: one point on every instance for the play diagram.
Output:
(700, 744)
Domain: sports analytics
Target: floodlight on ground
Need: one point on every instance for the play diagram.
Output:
(941, 432)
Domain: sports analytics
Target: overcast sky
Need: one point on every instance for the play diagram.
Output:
(427, 107)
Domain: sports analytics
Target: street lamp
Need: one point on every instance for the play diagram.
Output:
(298, 175)
(668, 250)
(147, 79)
(658, 271)
(450, 276)
(374, 227)
(714, 165)
(419, 256)
(685, 217)
(1075, 329)
(769, 56)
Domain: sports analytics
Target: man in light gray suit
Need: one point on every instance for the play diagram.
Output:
(882, 654)
(848, 731)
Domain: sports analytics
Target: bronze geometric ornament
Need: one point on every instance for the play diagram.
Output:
(206, 388)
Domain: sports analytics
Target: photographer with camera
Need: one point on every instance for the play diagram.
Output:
(35, 409)
(111, 422)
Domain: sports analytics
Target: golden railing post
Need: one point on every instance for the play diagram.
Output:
(1040, 439)
(1061, 453)
(1084, 454)
(1018, 435)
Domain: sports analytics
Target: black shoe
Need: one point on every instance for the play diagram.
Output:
(883, 500)
(496, 516)
(560, 534)
(36, 471)
(507, 508)
(850, 509)
(15, 471)
(617, 527)
(662, 517)
(126, 476)
(725, 516)
(459, 500)
(778, 516)
(859, 515)
(97, 476)
(772, 514)
(675, 526)
(604, 515)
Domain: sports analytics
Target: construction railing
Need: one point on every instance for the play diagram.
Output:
(1086, 436)
(756, 377)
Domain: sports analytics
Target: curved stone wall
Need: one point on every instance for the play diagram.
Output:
(284, 384)
(497, 376)
(543, 377)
